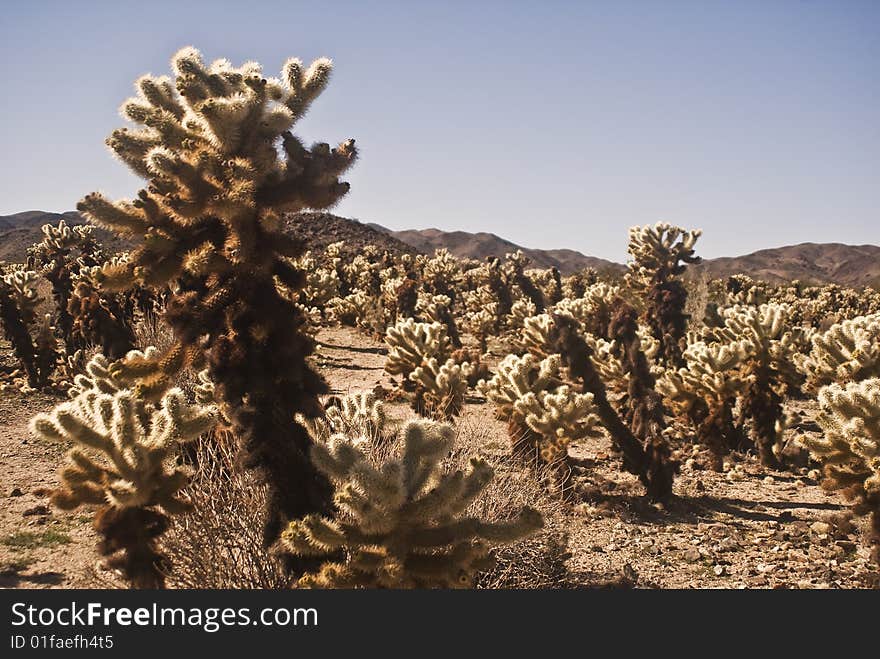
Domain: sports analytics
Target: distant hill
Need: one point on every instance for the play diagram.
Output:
(481, 245)
(815, 263)
(20, 231)
(322, 229)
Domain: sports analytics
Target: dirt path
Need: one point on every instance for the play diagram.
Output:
(749, 528)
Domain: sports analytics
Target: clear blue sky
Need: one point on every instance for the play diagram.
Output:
(553, 124)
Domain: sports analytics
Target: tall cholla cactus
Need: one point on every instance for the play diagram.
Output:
(98, 319)
(848, 352)
(422, 354)
(659, 254)
(18, 302)
(850, 448)
(767, 368)
(401, 524)
(63, 251)
(122, 463)
(222, 165)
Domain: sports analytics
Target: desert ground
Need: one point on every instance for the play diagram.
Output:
(746, 528)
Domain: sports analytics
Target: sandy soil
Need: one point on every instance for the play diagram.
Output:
(744, 529)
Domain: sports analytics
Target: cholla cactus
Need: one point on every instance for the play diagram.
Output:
(482, 324)
(574, 286)
(438, 309)
(768, 369)
(351, 310)
(705, 392)
(360, 417)
(223, 169)
(549, 282)
(123, 464)
(400, 524)
(659, 253)
(560, 417)
(848, 352)
(322, 284)
(520, 311)
(98, 319)
(440, 389)
(18, 302)
(593, 309)
(515, 379)
(536, 336)
(63, 251)
(850, 449)
(411, 344)
(514, 268)
(441, 273)
(647, 456)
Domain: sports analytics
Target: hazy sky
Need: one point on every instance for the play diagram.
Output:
(553, 124)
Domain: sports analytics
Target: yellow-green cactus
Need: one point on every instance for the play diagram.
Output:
(849, 450)
(848, 352)
(440, 388)
(768, 369)
(560, 417)
(360, 417)
(411, 344)
(706, 390)
(123, 462)
(401, 524)
(659, 254)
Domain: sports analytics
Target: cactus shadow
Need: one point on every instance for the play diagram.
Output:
(378, 350)
(14, 579)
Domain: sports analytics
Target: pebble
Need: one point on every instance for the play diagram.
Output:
(719, 570)
(728, 544)
(16, 492)
(820, 528)
(692, 555)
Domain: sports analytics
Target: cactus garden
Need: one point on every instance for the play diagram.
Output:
(202, 386)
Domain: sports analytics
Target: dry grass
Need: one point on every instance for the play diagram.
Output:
(219, 544)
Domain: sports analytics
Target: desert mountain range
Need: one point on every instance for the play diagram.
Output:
(848, 265)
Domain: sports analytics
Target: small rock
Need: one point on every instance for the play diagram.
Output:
(769, 480)
(611, 547)
(692, 555)
(719, 570)
(820, 528)
(846, 545)
(728, 544)
(16, 492)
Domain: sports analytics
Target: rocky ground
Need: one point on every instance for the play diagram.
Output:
(746, 528)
